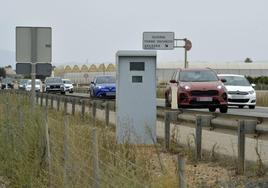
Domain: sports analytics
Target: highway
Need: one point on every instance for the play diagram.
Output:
(232, 110)
(257, 112)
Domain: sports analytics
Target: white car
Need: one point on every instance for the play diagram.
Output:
(240, 92)
(28, 85)
(68, 85)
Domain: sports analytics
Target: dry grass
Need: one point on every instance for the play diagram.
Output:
(23, 156)
(23, 152)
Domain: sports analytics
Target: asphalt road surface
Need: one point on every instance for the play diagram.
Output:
(257, 112)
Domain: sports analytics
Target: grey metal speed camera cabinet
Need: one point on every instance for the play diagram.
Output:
(136, 97)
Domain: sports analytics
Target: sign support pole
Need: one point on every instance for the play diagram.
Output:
(187, 46)
(33, 61)
(185, 58)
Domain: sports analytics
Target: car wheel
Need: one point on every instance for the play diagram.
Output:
(223, 109)
(240, 106)
(251, 106)
(212, 109)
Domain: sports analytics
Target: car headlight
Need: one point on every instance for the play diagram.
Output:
(219, 87)
(187, 87)
(99, 87)
(251, 92)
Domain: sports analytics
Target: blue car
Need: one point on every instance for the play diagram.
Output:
(102, 87)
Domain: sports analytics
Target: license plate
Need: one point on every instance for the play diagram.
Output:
(237, 97)
(110, 93)
(204, 99)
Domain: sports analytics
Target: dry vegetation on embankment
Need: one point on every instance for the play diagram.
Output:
(24, 161)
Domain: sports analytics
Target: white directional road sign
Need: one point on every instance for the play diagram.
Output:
(158, 40)
(33, 44)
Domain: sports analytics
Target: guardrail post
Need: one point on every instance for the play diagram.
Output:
(73, 106)
(83, 109)
(181, 172)
(65, 105)
(94, 109)
(36, 97)
(241, 147)
(41, 102)
(198, 135)
(46, 99)
(107, 113)
(58, 103)
(51, 101)
(167, 130)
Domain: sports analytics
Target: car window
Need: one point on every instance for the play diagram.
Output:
(198, 76)
(235, 81)
(23, 81)
(67, 82)
(173, 75)
(37, 82)
(105, 79)
(7, 80)
(177, 75)
(54, 80)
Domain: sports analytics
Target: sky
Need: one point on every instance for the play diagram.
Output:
(92, 31)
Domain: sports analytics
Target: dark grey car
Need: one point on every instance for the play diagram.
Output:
(54, 85)
(7, 83)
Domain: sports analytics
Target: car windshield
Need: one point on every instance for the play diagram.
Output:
(235, 81)
(198, 76)
(7, 80)
(67, 82)
(37, 82)
(23, 81)
(54, 80)
(105, 80)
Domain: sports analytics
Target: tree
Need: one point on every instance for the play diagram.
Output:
(2, 72)
(248, 60)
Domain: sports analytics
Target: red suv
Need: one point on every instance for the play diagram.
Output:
(198, 88)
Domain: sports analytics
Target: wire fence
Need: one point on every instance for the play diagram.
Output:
(41, 147)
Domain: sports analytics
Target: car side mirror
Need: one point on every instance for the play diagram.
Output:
(253, 85)
(173, 81)
(223, 80)
(92, 83)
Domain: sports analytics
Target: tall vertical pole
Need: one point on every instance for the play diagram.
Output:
(198, 137)
(181, 172)
(48, 146)
(95, 159)
(241, 146)
(185, 58)
(33, 61)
